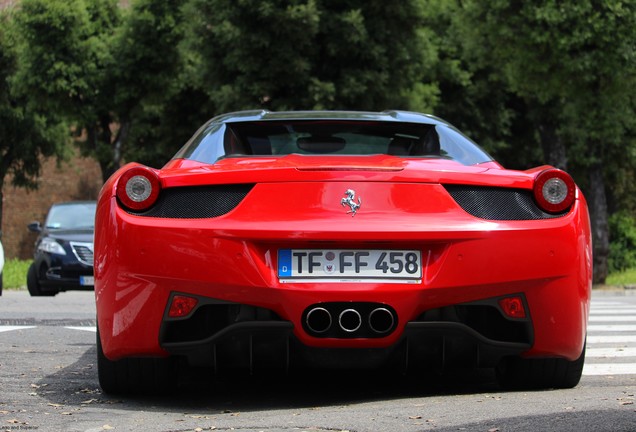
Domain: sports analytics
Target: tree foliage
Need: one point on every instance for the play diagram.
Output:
(156, 91)
(623, 248)
(572, 66)
(308, 54)
(65, 64)
(27, 132)
(101, 67)
(534, 82)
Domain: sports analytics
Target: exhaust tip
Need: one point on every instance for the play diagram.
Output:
(350, 320)
(318, 320)
(381, 320)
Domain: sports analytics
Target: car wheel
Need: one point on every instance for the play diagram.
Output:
(135, 375)
(516, 373)
(34, 286)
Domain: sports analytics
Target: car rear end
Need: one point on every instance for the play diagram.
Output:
(341, 261)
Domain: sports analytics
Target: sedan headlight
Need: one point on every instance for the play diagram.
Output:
(51, 246)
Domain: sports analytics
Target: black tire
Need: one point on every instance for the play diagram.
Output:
(527, 374)
(34, 287)
(135, 375)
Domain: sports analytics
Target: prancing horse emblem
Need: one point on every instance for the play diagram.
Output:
(350, 200)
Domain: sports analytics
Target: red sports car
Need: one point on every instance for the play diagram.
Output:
(278, 240)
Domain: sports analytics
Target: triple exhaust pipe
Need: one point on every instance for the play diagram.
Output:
(330, 320)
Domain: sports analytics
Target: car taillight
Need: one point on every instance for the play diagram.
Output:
(554, 190)
(138, 188)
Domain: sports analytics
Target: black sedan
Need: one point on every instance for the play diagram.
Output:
(63, 258)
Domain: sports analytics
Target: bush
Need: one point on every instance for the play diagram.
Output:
(622, 255)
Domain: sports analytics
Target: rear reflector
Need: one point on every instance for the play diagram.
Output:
(513, 307)
(181, 306)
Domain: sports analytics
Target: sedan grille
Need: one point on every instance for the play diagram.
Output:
(83, 252)
(197, 202)
(496, 203)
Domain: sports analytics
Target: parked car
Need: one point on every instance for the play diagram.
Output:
(340, 240)
(1, 262)
(63, 257)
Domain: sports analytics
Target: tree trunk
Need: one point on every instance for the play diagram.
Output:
(553, 148)
(116, 146)
(597, 201)
(107, 169)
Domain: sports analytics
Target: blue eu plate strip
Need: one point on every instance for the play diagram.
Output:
(284, 262)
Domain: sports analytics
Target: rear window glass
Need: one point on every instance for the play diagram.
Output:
(330, 137)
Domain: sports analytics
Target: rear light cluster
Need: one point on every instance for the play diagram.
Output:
(138, 188)
(554, 190)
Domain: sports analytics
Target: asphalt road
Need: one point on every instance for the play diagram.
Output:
(48, 382)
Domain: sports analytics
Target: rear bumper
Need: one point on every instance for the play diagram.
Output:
(140, 262)
(232, 336)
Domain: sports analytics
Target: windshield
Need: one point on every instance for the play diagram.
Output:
(331, 137)
(71, 216)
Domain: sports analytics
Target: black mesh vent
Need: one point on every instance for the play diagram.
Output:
(498, 203)
(197, 202)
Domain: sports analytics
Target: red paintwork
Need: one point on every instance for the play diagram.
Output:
(296, 204)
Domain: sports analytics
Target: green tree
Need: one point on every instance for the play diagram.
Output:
(308, 54)
(158, 95)
(108, 71)
(66, 63)
(473, 94)
(27, 132)
(573, 67)
(157, 101)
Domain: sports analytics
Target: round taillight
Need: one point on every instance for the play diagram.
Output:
(554, 190)
(138, 188)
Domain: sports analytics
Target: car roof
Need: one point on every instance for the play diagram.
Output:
(265, 115)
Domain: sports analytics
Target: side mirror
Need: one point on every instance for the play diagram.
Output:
(34, 227)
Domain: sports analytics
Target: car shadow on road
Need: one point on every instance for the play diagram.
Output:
(77, 384)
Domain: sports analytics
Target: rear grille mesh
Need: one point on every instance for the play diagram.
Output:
(197, 202)
(495, 203)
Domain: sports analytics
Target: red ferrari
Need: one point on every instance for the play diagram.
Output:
(289, 240)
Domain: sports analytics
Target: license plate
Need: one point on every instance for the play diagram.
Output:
(87, 280)
(349, 265)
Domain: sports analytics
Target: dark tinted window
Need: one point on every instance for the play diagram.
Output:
(331, 137)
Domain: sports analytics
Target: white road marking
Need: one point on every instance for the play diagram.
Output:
(597, 303)
(609, 369)
(611, 328)
(612, 318)
(85, 328)
(616, 317)
(11, 328)
(629, 310)
(610, 352)
(613, 339)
